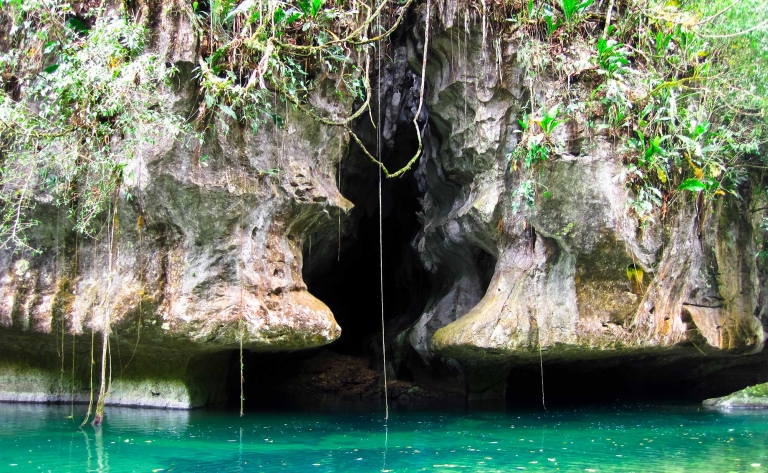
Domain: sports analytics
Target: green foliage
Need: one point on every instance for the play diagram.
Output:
(525, 194)
(738, 40)
(95, 102)
(571, 8)
(535, 147)
(694, 185)
(690, 92)
(618, 106)
(549, 121)
(261, 51)
(681, 91)
(552, 22)
(548, 12)
(89, 91)
(612, 57)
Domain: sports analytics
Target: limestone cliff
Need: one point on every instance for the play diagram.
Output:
(560, 287)
(209, 252)
(206, 255)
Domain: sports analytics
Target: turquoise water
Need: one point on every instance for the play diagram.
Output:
(638, 438)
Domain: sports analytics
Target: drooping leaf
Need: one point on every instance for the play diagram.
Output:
(305, 6)
(242, 8)
(692, 185)
(226, 109)
(50, 47)
(279, 15)
(292, 17)
(214, 59)
(554, 111)
(316, 4)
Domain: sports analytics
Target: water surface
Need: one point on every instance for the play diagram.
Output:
(624, 439)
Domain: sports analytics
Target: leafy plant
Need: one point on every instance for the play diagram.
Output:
(662, 43)
(551, 21)
(549, 121)
(612, 57)
(97, 103)
(694, 185)
(646, 199)
(310, 8)
(571, 8)
(535, 147)
(653, 157)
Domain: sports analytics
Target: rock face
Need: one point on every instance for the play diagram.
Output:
(753, 397)
(560, 288)
(205, 257)
(208, 254)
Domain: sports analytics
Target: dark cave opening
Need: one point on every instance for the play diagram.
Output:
(342, 269)
(303, 380)
(323, 378)
(348, 280)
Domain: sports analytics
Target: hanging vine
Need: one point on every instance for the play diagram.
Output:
(256, 50)
(106, 323)
(90, 383)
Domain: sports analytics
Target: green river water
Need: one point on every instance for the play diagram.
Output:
(627, 438)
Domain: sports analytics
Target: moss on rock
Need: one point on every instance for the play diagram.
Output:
(753, 397)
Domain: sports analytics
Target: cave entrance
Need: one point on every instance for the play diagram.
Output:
(348, 280)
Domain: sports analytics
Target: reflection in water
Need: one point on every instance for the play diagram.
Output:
(240, 452)
(639, 438)
(101, 456)
(88, 450)
(386, 447)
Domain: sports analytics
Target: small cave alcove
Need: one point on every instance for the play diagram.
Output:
(671, 378)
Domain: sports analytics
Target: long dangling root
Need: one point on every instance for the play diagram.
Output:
(99, 416)
(242, 377)
(381, 245)
(90, 399)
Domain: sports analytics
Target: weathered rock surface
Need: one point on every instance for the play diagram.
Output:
(560, 288)
(753, 397)
(46, 368)
(208, 253)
